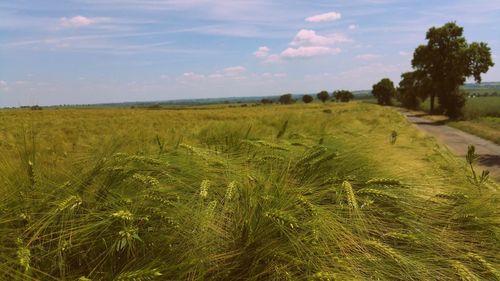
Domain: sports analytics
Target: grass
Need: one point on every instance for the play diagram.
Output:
(482, 107)
(257, 193)
(476, 107)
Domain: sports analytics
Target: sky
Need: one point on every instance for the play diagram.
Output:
(99, 51)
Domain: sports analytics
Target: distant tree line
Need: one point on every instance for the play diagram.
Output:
(440, 67)
(323, 96)
(32, 107)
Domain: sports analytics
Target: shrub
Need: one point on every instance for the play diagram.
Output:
(453, 103)
(343, 95)
(323, 96)
(266, 101)
(286, 99)
(307, 98)
(384, 91)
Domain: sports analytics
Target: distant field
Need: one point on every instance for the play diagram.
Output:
(484, 91)
(476, 107)
(482, 106)
(301, 192)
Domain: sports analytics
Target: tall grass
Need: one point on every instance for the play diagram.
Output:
(275, 193)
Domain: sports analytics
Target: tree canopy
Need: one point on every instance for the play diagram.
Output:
(307, 98)
(384, 91)
(447, 60)
(343, 95)
(266, 101)
(323, 96)
(286, 99)
(414, 88)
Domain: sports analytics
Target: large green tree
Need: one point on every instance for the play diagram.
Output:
(384, 91)
(448, 60)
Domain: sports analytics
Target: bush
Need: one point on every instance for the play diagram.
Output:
(408, 100)
(452, 104)
(323, 96)
(286, 99)
(307, 98)
(384, 91)
(343, 95)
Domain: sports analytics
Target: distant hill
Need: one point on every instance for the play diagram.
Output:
(482, 89)
(472, 88)
(484, 85)
(363, 94)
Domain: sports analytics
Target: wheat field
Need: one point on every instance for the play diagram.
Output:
(299, 192)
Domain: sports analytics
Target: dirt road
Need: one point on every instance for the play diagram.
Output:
(458, 141)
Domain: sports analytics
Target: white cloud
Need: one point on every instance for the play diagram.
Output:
(310, 37)
(215, 76)
(368, 56)
(312, 51)
(193, 76)
(353, 26)
(332, 16)
(77, 21)
(306, 43)
(403, 53)
(234, 70)
(262, 52)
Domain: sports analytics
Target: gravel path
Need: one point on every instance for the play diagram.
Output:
(458, 141)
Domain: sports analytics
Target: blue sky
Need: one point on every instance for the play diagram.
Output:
(94, 51)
